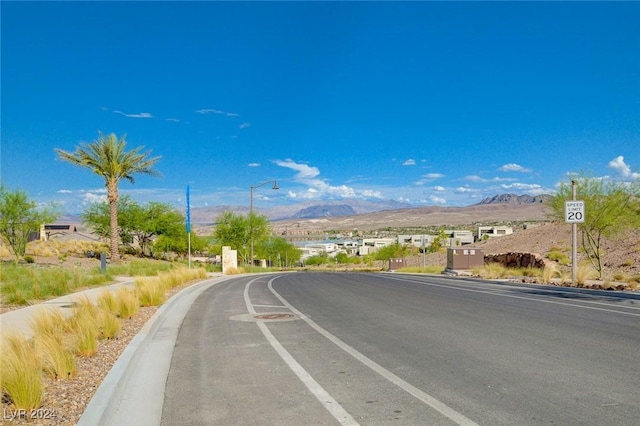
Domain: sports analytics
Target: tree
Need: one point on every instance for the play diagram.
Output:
(107, 158)
(279, 248)
(19, 219)
(392, 251)
(233, 230)
(610, 208)
(137, 222)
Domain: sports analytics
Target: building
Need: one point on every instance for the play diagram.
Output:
(493, 231)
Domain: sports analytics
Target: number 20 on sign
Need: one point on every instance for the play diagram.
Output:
(574, 211)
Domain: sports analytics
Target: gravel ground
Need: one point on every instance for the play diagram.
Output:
(64, 401)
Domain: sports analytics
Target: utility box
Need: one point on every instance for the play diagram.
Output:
(464, 258)
(395, 264)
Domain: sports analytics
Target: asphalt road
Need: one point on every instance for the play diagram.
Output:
(373, 349)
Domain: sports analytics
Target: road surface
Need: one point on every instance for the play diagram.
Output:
(375, 349)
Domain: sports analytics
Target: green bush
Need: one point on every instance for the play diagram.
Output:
(560, 257)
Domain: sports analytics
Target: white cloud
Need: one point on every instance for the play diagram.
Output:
(174, 120)
(217, 111)
(623, 168)
(437, 200)
(318, 188)
(64, 191)
(139, 115)
(463, 189)
(409, 162)
(304, 171)
(429, 177)
(90, 198)
(254, 164)
(439, 188)
(244, 125)
(475, 178)
(521, 186)
(513, 167)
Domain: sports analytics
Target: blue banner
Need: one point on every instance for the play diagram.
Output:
(188, 213)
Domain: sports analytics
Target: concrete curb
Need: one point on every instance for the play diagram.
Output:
(132, 393)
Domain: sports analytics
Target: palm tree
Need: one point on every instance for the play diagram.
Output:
(107, 157)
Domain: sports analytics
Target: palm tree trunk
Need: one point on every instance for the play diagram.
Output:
(114, 234)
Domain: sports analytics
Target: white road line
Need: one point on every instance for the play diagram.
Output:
(327, 401)
(429, 400)
(513, 296)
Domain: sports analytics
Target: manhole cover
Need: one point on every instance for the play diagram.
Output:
(273, 316)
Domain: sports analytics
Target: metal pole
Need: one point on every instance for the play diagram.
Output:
(574, 240)
(275, 186)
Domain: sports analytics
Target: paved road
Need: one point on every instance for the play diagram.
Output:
(376, 349)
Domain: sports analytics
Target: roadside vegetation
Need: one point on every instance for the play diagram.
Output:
(59, 341)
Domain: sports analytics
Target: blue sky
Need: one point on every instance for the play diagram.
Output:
(430, 103)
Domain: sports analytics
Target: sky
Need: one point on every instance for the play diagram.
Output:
(426, 103)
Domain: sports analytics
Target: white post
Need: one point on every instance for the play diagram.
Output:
(574, 240)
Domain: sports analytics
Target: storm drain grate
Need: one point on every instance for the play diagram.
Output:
(273, 316)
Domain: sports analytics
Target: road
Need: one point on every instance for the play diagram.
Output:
(374, 349)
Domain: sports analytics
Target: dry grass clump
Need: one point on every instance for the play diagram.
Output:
(21, 372)
(83, 327)
(107, 302)
(234, 271)
(128, 303)
(150, 291)
(48, 323)
(108, 324)
(584, 273)
(57, 361)
(549, 272)
(57, 248)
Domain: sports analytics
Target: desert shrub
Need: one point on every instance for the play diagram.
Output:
(549, 272)
(584, 273)
(48, 323)
(83, 326)
(234, 271)
(494, 270)
(107, 302)
(150, 291)
(57, 361)
(128, 302)
(108, 325)
(560, 257)
(432, 269)
(618, 277)
(21, 372)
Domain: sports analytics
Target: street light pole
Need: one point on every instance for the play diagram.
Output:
(251, 188)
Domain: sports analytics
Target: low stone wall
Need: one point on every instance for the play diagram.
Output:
(516, 260)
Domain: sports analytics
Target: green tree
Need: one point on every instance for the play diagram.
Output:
(20, 218)
(610, 208)
(141, 223)
(233, 230)
(392, 251)
(178, 243)
(279, 249)
(438, 242)
(108, 158)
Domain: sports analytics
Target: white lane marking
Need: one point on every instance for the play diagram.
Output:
(532, 298)
(327, 401)
(432, 402)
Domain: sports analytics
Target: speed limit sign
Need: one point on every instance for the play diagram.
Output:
(574, 211)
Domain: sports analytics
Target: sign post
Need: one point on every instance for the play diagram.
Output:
(574, 214)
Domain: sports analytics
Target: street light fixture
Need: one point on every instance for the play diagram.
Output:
(275, 186)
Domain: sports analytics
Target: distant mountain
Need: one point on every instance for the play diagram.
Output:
(515, 199)
(304, 210)
(324, 211)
